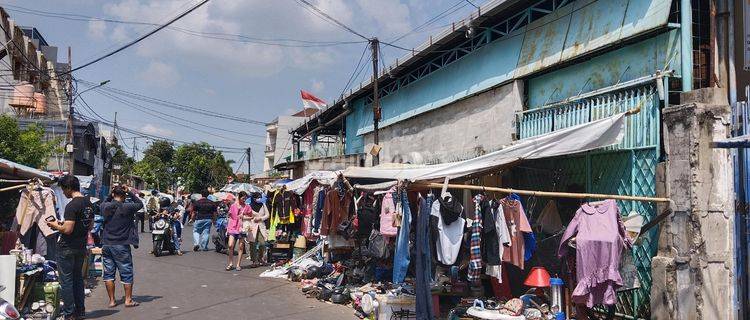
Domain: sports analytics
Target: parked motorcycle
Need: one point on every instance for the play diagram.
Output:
(161, 234)
(220, 239)
(7, 310)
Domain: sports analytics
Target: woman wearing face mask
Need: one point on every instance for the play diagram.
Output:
(256, 229)
(238, 212)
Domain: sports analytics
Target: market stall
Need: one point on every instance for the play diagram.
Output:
(448, 238)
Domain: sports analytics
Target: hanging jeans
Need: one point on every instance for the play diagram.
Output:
(70, 267)
(401, 257)
(201, 233)
(423, 261)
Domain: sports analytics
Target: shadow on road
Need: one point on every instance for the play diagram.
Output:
(101, 313)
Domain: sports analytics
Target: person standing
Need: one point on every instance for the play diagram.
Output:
(71, 246)
(152, 207)
(141, 215)
(119, 234)
(176, 211)
(238, 212)
(204, 214)
(256, 229)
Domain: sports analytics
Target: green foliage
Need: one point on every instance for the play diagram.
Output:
(200, 166)
(122, 159)
(156, 167)
(25, 146)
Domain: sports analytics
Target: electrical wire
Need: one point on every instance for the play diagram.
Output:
(351, 77)
(175, 105)
(281, 42)
(326, 17)
(452, 9)
(139, 39)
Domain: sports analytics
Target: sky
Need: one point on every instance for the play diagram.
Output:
(249, 76)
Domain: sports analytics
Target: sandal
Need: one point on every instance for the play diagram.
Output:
(228, 268)
(237, 268)
(132, 304)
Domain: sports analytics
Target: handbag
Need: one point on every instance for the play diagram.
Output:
(376, 245)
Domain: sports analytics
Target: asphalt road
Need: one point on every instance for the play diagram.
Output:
(195, 286)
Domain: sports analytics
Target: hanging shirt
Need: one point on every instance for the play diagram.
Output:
(475, 246)
(517, 223)
(600, 238)
(335, 210)
(497, 237)
(33, 208)
(450, 236)
(387, 215)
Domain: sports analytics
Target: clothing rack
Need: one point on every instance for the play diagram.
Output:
(545, 193)
(20, 186)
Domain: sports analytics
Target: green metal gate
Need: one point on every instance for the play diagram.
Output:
(628, 168)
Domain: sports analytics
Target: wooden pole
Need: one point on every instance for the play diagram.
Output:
(544, 193)
(20, 186)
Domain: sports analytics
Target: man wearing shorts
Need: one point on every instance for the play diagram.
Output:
(119, 234)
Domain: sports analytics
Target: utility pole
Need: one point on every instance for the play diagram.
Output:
(135, 149)
(249, 159)
(112, 134)
(69, 147)
(375, 47)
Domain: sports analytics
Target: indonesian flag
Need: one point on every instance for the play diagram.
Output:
(311, 101)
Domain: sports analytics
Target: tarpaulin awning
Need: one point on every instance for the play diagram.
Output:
(585, 137)
(12, 170)
(237, 187)
(300, 185)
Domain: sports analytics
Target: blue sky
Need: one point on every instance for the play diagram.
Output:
(251, 80)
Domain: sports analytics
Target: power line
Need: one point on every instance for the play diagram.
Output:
(175, 105)
(139, 39)
(330, 19)
(452, 9)
(351, 77)
(281, 42)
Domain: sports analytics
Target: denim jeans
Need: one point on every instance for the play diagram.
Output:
(201, 233)
(422, 261)
(401, 257)
(177, 234)
(70, 268)
(117, 258)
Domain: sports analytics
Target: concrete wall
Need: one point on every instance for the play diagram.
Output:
(326, 164)
(284, 143)
(693, 272)
(461, 130)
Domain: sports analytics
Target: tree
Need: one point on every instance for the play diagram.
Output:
(156, 166)
(25, 146)
(200, 166)
(122, 159)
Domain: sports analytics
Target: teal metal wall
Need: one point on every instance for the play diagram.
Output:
(499, 55)
(631, 62)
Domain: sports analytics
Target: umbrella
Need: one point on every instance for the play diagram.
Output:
(237, 187)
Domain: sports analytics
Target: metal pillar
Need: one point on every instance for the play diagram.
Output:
(686, 44)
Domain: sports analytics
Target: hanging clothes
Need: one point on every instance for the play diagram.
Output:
(401, 257)
(34, 207)
(496, 237)
(336, 209)
(475, 246)
(600, 238)
(517, 225)
(423, 269)
(387, 214)
(450, 235)
(320, 199)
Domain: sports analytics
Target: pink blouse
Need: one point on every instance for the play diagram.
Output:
(236, 212)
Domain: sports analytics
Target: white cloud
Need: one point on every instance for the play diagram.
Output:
(317, 85)
(96, 29)
(160, 74)
(391, 16)
(155, 130)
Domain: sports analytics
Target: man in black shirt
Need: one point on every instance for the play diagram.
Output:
(204, 214)
(71, 247)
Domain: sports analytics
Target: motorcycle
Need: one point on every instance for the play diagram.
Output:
(220, 239)
(7, 310)
(161, 234)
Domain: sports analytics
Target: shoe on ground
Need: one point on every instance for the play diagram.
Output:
(195, 248)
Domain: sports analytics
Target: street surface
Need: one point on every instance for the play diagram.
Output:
(195, 286)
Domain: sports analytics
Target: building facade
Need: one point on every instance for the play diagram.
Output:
(519, 69)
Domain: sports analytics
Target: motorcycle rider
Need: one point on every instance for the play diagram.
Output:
(152, 208)
(118, 236)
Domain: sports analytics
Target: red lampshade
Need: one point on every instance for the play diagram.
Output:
(538, 277)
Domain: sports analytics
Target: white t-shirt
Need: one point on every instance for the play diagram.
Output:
(449, 238)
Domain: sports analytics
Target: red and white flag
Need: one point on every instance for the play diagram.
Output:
(311, 101)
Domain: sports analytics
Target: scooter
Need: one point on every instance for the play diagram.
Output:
(220, 239)
(161, 234)
(7, 310)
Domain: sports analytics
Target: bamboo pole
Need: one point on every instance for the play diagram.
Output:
(545, 193)
(13, 187)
